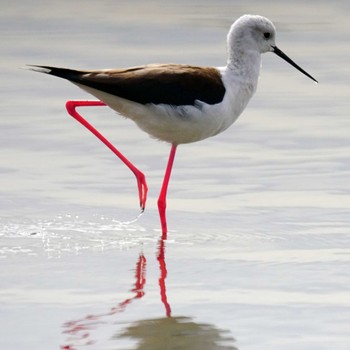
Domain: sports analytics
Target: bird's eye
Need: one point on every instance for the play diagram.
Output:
(267, 35)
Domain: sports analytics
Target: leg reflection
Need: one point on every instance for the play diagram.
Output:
(79, 330)
(163, 276)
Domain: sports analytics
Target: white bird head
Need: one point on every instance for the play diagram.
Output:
(251, 32)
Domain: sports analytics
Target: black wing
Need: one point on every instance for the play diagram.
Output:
(171, 84)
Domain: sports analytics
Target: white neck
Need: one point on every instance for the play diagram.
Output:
(245, 64)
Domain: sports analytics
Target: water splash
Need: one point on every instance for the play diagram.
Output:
(68, 234)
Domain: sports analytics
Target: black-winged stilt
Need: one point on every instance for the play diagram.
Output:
(179, 103)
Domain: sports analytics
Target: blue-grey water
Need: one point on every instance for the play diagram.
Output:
(258, 251)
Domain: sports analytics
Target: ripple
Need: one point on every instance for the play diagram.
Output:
(69, 234)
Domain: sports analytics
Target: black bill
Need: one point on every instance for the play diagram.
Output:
(281, 54)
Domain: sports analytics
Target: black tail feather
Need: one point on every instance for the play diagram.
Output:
(65, 73)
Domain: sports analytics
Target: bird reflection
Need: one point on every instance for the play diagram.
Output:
(151, 334)
(173, 333)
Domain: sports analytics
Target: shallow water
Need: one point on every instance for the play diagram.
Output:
(257, 256)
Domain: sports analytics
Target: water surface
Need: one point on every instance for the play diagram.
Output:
(257, 256)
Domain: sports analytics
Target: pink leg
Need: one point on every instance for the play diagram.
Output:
(162, 196)
(140, 177)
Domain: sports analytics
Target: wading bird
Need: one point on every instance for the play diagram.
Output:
(179, 103)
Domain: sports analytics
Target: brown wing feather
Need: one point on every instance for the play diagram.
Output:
(168, 83)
